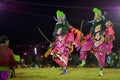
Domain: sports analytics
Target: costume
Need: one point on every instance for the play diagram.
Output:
(65, 37)
(78, 37)
(99, 40)
(60, 33)
(6, 61)
(86, 47)
(110, 36)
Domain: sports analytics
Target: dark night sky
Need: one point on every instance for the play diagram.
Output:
(19, 18)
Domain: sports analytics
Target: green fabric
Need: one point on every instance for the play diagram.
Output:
(4, 68)
(12, 73)
(97, 11)
(17, 58)
(60, 13)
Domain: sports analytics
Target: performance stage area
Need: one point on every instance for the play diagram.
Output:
(72, 74)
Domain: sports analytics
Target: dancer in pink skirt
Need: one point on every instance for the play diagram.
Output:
(97, 42)
(64, 39)
(62, 43)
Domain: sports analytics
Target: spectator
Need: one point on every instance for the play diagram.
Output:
(7, 61)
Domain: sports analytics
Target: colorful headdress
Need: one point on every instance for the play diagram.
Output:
(60, 14)
(97, 11)
(98, 18)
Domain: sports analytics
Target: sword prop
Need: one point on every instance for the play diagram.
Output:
(47, 53)
(43, 35)
(81, 25)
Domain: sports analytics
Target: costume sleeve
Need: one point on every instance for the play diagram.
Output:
(110, 33)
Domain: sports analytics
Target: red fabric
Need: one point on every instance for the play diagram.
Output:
(6, 57)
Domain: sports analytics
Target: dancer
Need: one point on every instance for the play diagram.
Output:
(97, 41)
(64, 40)
(61, 50)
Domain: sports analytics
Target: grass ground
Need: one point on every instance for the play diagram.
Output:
(72, 74)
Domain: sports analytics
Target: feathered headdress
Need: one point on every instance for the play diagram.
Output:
(60, 14)
(98, 18)
(97, 11)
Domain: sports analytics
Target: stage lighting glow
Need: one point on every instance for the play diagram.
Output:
(1, 5)
(35, 49)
